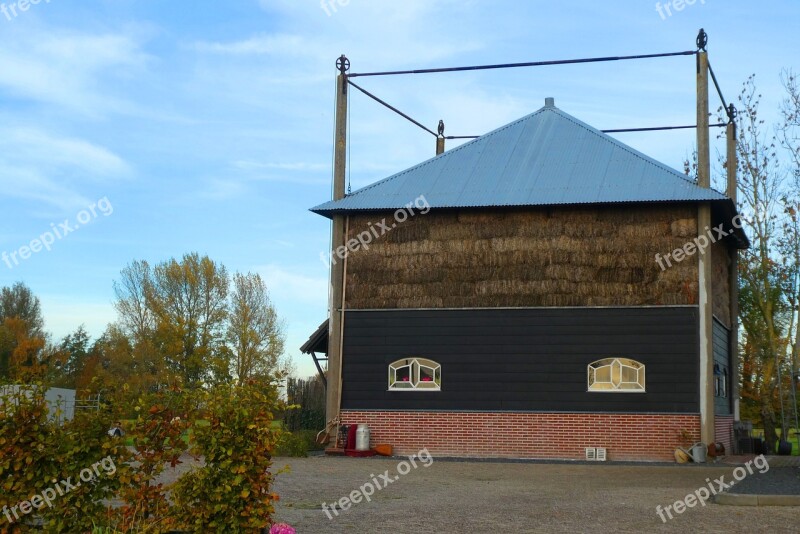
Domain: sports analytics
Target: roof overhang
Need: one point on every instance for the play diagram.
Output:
(318, 342)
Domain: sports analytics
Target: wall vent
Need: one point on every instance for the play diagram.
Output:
(596, 454)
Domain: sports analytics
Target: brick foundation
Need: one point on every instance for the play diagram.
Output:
(723, 431)
(647, 437)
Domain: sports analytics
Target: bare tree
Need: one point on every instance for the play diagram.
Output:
(766, 294)
(131, 304)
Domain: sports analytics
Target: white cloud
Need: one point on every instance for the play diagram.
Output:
(30, 184)
(288, 286)
(38, 166)
(65, 68)
(37, 146)
(262, 44)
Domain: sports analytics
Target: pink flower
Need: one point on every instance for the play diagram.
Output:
(405, 379)
(282, 528)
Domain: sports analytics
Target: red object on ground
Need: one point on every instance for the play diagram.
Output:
(351, 437)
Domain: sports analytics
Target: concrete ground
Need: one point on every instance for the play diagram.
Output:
(465, 497)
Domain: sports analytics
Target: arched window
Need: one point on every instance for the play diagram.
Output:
(415, 374)
(616, 375)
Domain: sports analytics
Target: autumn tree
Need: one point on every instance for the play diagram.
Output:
(182, 311)
(72, 354)
(20, 302)
(255, 334)
(22, 337)
(180, 308)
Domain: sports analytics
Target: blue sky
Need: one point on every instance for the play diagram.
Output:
(207, 126)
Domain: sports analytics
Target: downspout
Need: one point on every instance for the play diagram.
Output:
(344, 299)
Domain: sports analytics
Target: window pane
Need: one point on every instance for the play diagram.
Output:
(425, 374)
(603, 374)
(404, 374)
(629, 374)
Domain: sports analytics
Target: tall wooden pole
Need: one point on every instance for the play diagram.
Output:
(705, 270)
(732, 192)
(333, 399)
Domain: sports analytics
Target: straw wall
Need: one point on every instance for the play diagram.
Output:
(720, 266)
(548, 257)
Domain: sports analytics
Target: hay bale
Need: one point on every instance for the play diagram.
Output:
(556, 257)
(686, 228)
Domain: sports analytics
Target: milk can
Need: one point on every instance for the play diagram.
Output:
(362, 438)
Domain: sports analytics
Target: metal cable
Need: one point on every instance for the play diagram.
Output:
(529, 64)
(660, 128)
(728, 110)
(376, 99)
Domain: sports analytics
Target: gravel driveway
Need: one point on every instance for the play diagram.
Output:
(465, 497)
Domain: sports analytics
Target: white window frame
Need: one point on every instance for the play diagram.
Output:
(616, 386)
(720, 382)
(415, 381)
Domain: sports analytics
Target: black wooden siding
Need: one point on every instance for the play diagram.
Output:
(721, 343)
(523, 359)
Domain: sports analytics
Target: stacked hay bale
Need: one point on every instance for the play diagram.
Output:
(720, 265)
(599, 256)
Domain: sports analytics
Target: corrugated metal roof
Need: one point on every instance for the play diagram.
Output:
(546, 158)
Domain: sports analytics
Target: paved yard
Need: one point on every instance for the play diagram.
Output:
(465, 497)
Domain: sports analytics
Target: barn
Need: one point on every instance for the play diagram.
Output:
(536, 292)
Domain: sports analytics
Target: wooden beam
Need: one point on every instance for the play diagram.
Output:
(733, 163)
(732, 192)
(703, 131)
(706, 325)
(334, 379)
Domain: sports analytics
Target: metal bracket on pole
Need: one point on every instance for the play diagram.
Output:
(440, 139)
(343, 64)
(732, 113)
(702, 40)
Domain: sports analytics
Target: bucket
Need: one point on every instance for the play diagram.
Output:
(362, 438)
(699, 451)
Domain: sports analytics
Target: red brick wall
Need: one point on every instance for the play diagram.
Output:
(723, 431)
(651, 437)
